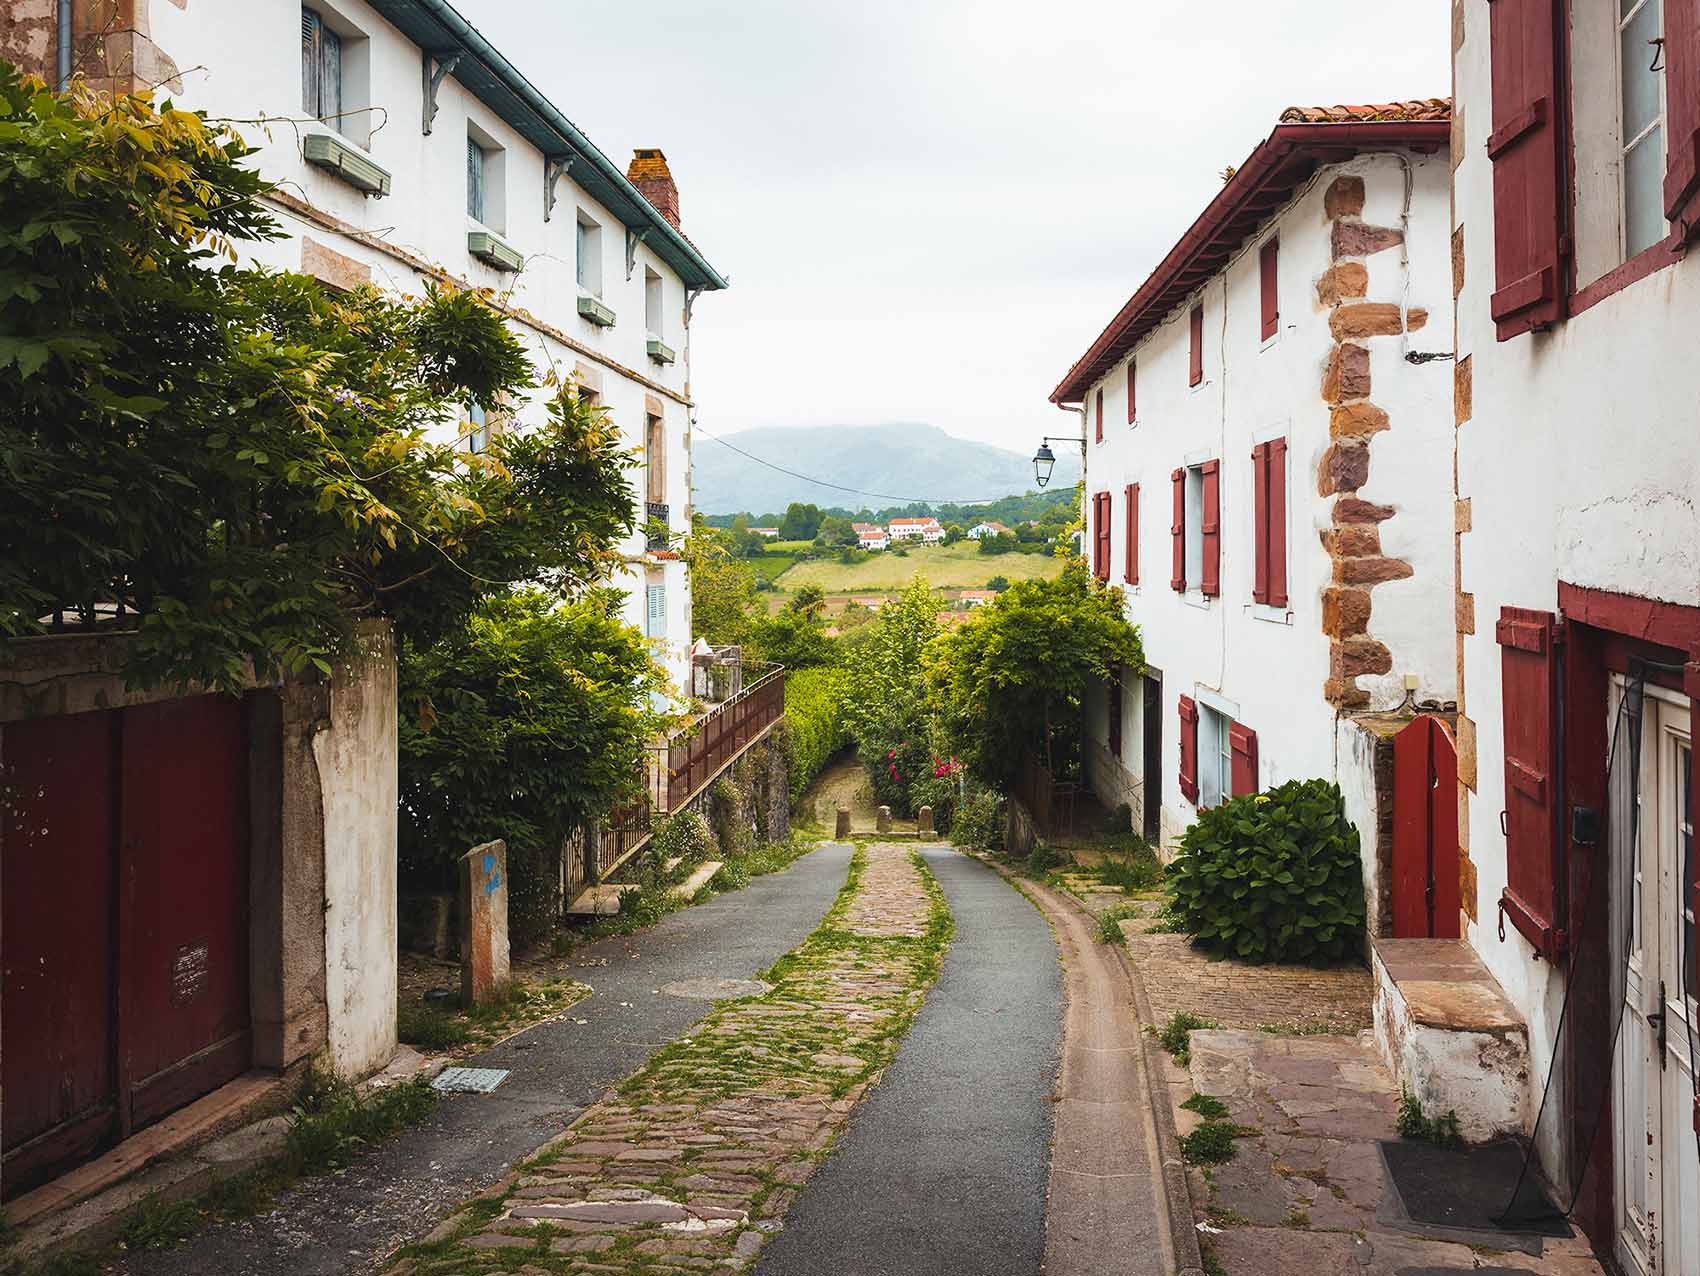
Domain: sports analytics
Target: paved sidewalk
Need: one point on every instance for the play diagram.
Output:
(341, 1224)
(694, 1161)
(943, 1168)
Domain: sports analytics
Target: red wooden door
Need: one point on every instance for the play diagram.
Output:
(1426, 891)
(125, 940)
(58, 884)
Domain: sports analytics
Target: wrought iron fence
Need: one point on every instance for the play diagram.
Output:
(630, 826)
(697, 756)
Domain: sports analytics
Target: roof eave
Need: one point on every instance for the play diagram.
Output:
(1324, 142)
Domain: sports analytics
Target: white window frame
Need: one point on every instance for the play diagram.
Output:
(654, 304)
(655, 610)
(1620, 26)
(587, 255)
(490, 210)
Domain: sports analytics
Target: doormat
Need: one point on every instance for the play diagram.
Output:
(469, 1080)
(1467, 1190)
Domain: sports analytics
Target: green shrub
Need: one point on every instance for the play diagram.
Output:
(1413, 1123)
(1175, 1034)
(1207, 1106)
(940, 790)
(1140, 870)
(1273, 877)
(980, 821)
(685, 836)
(814, 710)
(1212, 1143)
(1041, 860)
(1110, 920)
(431, 1029)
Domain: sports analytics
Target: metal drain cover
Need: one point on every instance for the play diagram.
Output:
(469, 1080)
(716, 989)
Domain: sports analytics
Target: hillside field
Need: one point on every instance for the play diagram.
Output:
(959, 566)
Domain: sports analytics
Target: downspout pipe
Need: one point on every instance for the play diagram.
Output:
(62, 61)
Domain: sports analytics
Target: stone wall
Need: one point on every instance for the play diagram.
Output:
(1110, 780)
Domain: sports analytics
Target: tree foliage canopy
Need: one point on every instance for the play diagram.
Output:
(242, 456)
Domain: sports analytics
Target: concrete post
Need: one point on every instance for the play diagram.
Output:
(883, 824)
(842, 829)
(483, 923)
(924, 822)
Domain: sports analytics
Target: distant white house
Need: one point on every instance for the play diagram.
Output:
(873, 538)
(771, 533)
(972, 598)
(926, 530)
(986, 529)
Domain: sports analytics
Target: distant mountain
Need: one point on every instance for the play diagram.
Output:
(900, 463)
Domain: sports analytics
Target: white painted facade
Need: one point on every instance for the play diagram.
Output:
(244, 62)
(1579, 465)
(926, 530)
(1254, 664)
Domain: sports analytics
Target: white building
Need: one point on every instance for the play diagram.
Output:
(925, 530)
(434, 158)
(873, 538)
(980, 530)
(1282, 537)
(1578, 531)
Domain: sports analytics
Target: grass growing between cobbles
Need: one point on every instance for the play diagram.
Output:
(696, 1157)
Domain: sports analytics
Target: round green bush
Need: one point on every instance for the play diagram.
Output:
(1273, 877)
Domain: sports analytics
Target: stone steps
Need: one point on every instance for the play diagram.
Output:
(698, 879)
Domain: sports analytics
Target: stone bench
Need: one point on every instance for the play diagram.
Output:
(1450, 1036)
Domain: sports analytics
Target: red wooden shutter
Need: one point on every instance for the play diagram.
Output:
(1189, 750)
(1195, 366)
(1682, 117)
(1271, 306)
(1177, 532)
(1242, 744)
(1528, 170)
(1100, 414)
(1101, 554)
(1132, 399)
(1528, 643)
(1260, 522)
(1131, 573)
(1212, 528)
(1277, 537)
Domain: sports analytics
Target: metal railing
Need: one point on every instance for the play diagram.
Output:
(697, 756)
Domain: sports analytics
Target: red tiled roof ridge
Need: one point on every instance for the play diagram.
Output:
(1422, 108)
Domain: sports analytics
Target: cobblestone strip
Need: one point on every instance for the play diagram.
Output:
(692, 1164)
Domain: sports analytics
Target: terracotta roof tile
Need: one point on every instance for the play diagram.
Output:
(1426, 108)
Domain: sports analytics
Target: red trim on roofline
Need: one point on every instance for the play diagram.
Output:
(1279, 165)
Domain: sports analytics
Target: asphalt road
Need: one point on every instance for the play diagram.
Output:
(943, 1168)
(346, 1223)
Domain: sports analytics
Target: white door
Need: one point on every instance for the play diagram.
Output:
(1658, 1176)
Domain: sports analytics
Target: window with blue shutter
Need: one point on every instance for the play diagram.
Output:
(474, 180)
(321, 70)
(656, 596)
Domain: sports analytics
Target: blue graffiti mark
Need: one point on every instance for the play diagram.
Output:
(495, 877)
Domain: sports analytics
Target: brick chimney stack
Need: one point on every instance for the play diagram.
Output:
(649, 173)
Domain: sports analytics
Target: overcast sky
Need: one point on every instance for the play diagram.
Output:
(929, 208)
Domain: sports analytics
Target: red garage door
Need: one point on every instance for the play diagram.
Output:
(125, 931)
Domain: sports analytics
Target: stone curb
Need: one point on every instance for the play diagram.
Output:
(1177, 1196)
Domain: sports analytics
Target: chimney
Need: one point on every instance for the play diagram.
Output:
(649, 173)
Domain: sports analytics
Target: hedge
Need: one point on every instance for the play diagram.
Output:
(814, 708)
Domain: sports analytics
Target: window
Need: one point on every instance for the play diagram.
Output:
(475, 164)
(655, 611)
(479, 429)
(1132, 398)
(1269, 522)
(1101, 535)
(1195, 346)
(655, 460)
(1099, 408)
(1266, 271)
(1641, 118)
(1533, 898)
(1196, 529)
(1215, 757)
(1130, 572)
(321, 69)
(589, 256)
(652, 301)
(1218, 755)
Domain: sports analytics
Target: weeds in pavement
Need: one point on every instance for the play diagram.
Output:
(519, 1005)
(1174, 1034)
(1300, 1028)
(431, 1029)
(1207, 1106)
(1131, 866)
(1413, 1123)
(1109, 923)
(1212, 1143)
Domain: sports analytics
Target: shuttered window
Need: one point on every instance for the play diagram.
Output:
(655, 623)
(1533, 899)
(1099, 409)
(1101, 535)
(1266, 271)
(1195, 346)
(1177, 532)
(1210, 583)
(1269, 522)
(1242, 743)
(1130, 571)
(1189, 749)
(1132, 397)
(1524, 146)
(474, 180)
(1682, 117)
(321, 70)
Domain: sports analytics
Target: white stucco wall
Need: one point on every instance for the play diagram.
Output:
(357, 756)
(1267, 668)
(243, 61)
(1580, 463)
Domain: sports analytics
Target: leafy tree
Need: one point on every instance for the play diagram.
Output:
(953, 532)
(801, 522)
(791, 638)
(722, 588)
(886, 705)
(239, 456)
(1009, 683)
(998, 584)
(809, 601)
(522, 724)
(1000, 543)
(835, 532)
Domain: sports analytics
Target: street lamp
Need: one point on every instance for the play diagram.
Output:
(1045, 460)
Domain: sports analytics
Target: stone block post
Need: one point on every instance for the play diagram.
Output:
(483, 923)
(883, 823)
(924, 822)
(842, 828)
